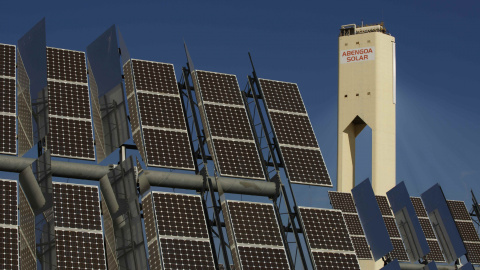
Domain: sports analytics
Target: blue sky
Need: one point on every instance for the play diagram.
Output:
(438, 75)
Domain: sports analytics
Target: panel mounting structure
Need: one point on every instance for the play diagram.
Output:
(176, 231)
(467, 230)
(158, 124)
(8, 121)
(344, 201)
(70, 131)
(299, 148)
(399, 251)
(78, 227)
(254, 235)
(328, 238)
(435, 253)
(228, 134)
(9, 246)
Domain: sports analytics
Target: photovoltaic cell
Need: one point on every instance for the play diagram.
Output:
(71, 133)
(97, 117)
(325, 229)
(257, 257)
(391, 227)
(305, 166)
(301, 154)
(466, 229)
(329, 260)
(9, 248)
(8, 144)
(179, 222)
(229, 136)
(160, 119)
(435, 251)
(79, 250)
(399, 251)
(8, 202)
(25, 129)
(344, 201)
(76, 206)
(384, 206)
(254, 236)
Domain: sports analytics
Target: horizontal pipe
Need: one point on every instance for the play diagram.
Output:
(32, 190)
(153, 178)
(411, 266)
(191, 181)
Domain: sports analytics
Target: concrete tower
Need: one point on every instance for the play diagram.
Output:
(366, 96)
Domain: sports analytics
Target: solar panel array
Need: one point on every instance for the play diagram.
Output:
(298, 145)
(70, 123)
(9, 244)
(399, 251)
(110, 243)
(158, 124)
(254, 236)
(344, 201)
(8, 142)
(25, 127)
(176, 232)
(328, 238)
(28, 258)
(435, 251)
(229, 137)
(78, 227)
(467, 230)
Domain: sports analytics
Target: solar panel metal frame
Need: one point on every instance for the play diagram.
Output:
(158, 237)
(351, 211)
(234, 244)
(83, 119)
(307, 237)
(474, 256)
(208, 134)
(10, 114)
(136, 91)
(268, 110)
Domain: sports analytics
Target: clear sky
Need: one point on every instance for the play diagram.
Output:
(438, 78)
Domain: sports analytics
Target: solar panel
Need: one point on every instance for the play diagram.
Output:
(25, 129)
(435, 251)
(78, 227)
(254, 235)
(384, 206)
(326, 230)
(393, 265)
(28, 259)
(344, 201)
(8, 202)
(444, 225)
(71, 133)
(229, 136)
(79, 249)
(9, 247)
(109, 231)
(133, 109)
(8, 143)
(301, 154)
(179, 223)
(160, 119)
(97, 117)
(466, 229)
(329, 260)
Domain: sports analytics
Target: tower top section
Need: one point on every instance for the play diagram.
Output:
(353, 29)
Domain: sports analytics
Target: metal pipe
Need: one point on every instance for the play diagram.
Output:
(30, 187)
(411, 266)
(191, 181)
(154, 178)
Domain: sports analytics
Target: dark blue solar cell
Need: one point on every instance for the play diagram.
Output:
(442, 220)
(405, 212)
(371, 219)
(393, 265)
